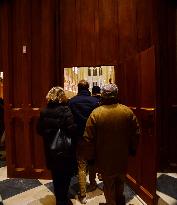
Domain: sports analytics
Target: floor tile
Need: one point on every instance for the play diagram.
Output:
(50, 186)
(44, 181)
(3, 173)
(167, 185)
(36, 196)
(166, 200)
(11, 187)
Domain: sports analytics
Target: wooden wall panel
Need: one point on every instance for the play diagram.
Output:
(107, 45)
(43, 51)
(144, 23)
(131, 69)
(137, 88)
(17, 83)
(38, 166)
(127, 32)
(1, 21)
(86, 35)
(68, 32)
(148, 83)
(89, 35)
(18, 143)
(171, 137)
(149, 150)
(38, 159)
(148, 121)
(36, 96)
(168, 65)
(28, 77)
(43, 76)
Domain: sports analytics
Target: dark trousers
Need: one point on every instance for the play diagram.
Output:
(61, 182)
(113, 189)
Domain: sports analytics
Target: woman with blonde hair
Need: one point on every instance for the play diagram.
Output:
(57, 115)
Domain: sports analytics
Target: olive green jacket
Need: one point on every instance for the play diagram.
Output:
(115, 131)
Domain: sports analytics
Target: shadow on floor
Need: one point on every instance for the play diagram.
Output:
(48, 199)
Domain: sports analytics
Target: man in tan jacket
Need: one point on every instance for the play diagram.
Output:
(114, 129)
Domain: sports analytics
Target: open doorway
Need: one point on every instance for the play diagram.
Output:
(96, 76)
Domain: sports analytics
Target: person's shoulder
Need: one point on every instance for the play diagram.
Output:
(94, 99)
(98, 109)
(74, 99)
(52, 110)
(125, 108)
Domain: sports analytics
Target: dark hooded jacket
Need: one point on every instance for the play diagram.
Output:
(53, 117)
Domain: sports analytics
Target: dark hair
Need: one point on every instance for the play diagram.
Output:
(96, 89)
(83, 85)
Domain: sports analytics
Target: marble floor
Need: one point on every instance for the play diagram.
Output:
(40, 192)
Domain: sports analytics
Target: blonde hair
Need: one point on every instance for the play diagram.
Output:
(56, 94)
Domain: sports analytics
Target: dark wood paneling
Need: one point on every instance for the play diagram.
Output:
(171, 41)
(147, 77)
(68, 32)
(38, 166)
(89, 34)
(86, 35)
(168, 65)
(138, 84)
(107, 44)
(28, 77)
(148, 119)
(134, 163)
(16, 86)
(17, 133)
(127, 32)
(43, 57)
(144, 23)
(1, 22)
(36, 55)
(149, 152)
(132, 67)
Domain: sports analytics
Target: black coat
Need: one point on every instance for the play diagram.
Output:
(51, 119)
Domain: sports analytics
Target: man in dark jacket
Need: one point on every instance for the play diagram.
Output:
(81, 106)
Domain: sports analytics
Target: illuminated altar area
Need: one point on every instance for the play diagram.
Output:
(94, 75)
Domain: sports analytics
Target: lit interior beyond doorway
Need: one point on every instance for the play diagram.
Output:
(94, 75)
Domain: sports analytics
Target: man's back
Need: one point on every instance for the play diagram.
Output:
(81, 107)
(115, 128)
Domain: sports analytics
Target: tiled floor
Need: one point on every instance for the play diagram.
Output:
(40, 192)
(167, 188)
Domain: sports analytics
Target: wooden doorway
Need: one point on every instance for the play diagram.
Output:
(40, 38)
(136, 79)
